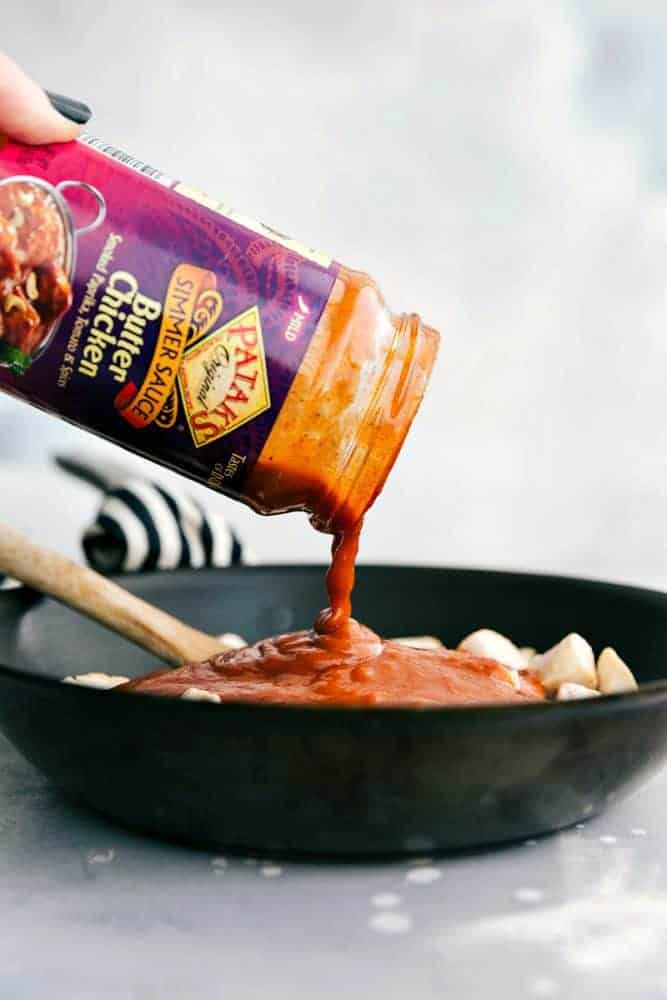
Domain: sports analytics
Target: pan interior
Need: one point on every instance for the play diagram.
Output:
(42, 637)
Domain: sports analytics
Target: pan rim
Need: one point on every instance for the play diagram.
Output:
(649, 694)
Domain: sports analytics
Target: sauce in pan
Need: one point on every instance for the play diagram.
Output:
(341, 662)
(350, 665)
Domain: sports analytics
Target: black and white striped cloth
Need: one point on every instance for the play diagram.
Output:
(142, 526)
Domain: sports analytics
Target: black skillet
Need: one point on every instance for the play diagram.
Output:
(352, 782)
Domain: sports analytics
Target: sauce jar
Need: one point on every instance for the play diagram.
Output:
(161, 319)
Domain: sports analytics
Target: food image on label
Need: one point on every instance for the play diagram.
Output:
(34, 280)
(147, 312)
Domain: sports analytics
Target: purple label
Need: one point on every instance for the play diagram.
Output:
(186, 322)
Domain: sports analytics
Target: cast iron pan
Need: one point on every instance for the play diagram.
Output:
(354, 782)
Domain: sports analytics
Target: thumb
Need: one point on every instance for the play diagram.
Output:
(25, 111)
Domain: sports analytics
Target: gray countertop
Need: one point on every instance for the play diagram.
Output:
(88, 910)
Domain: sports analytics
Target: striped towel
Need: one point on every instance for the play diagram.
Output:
(142, 526)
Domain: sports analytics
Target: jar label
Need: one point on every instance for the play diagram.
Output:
(187, 321)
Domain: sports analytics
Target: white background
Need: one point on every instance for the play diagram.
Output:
(500, 168)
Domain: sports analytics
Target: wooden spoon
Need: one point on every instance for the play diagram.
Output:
(171, 640)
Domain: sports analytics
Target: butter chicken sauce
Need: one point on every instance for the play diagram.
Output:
(341, 662)
(351, 666)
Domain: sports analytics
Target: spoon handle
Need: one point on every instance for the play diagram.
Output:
(99, 598)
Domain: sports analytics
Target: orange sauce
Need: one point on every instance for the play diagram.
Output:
(351, 666)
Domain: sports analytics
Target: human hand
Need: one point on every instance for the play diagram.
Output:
(25, 111)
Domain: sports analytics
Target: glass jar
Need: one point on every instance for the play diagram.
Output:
(348, 411)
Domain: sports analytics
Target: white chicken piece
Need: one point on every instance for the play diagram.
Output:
(614, 676)
(514, 678)
(96, 680)
(570, 661)
(575, 692)
(493, 646)
(232, 640)
(198, 694)
(528, 654)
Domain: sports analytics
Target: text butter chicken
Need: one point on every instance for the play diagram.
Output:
(248, 362)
